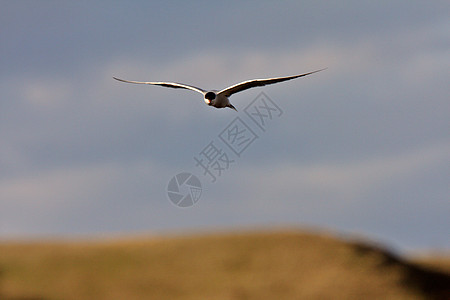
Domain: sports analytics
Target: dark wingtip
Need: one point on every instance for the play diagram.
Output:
(323, 69)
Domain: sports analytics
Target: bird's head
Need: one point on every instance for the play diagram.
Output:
(209, 98)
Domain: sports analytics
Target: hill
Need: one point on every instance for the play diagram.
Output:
(250, 265)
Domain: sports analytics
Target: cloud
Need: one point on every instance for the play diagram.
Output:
(342, 182)
(46, 92)
(50, 187)
(85, 197)
(384, 55)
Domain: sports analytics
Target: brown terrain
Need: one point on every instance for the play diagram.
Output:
(247, 265)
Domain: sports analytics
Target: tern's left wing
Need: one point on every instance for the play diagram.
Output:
(258, 82)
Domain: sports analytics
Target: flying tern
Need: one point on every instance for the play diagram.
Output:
(219, 99)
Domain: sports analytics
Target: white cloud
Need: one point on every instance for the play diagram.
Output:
(59, 186)
(372, 57)
(55, 186)
(81, 199)
(46, 92)
(345, 181)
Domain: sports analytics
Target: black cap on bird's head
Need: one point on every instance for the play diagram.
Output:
(209, 96)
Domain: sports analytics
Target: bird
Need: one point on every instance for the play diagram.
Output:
(220, 99)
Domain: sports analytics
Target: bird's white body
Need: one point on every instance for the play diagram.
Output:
(219, 99)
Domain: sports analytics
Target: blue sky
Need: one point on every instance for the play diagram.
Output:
(362, 148)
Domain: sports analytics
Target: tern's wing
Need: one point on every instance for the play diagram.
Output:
(258, 82)
(167, 84)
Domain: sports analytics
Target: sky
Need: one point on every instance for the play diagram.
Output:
(359, 149)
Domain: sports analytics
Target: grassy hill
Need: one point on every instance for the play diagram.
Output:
(251, 265)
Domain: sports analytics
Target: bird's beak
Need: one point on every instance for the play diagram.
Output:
(207, 101)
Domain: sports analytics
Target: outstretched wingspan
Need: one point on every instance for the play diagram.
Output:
(173, 85)
(258, 82)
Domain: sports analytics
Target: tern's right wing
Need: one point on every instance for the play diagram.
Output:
(173, 85)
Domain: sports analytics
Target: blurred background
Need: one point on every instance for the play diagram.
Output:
(362, 148)
(330, 201)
